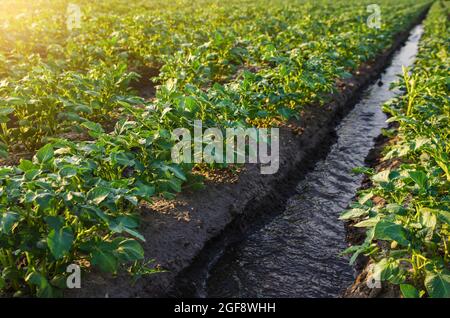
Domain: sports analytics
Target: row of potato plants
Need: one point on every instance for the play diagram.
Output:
(408, 229)
(54, 79)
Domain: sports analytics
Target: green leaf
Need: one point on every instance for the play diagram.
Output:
(44, 200)
(168, 195)
(7, 221)
(286, 112)
(68, 172)
(438, 284)
(59, 281)
(368, 223)
(443, 216)
(45, 154)
(389, 231)
(365, 198)
(428, 219)
(177, 171)
(122, 159)
(44, 289)
(4, 153)
(83, 109)
(396, 209)
(60, 241)
(96, 212)
(389, 270)
(353, 213)
(95, 129)
(409, 291)
(363, 170)
(419, 177)
(346, 75)
(15, 101)
(175, 185)
(134, 233)
(420, 142)
(144, 191)
(54, 222)
(356, 250)
(130, 250)
(6, 111)
(382, 176)
(32, 174)
(26, 165)
(104, 258)
(127, 221)
(125, 224)
(262, 113)
(98, 194)
(70, 116)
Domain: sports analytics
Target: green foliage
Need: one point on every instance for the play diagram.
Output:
(231, 64)
(415, 217)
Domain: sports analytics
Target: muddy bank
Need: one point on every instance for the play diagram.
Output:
(178, 230)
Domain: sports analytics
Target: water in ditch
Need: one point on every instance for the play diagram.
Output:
(296, 253)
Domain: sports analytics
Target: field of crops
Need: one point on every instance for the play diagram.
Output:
(409, 226)
(87, 114)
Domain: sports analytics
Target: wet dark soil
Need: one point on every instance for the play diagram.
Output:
(145, 85)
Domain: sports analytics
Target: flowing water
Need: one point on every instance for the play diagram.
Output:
(296, 253)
